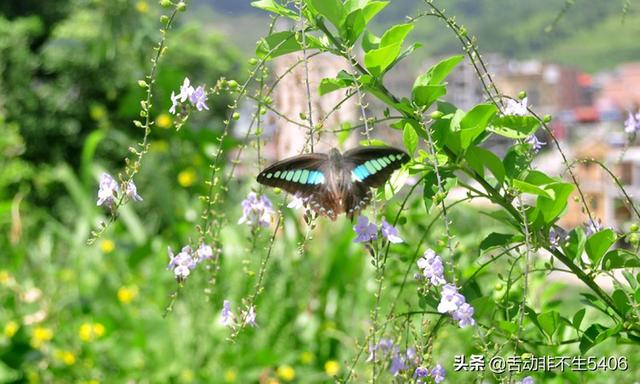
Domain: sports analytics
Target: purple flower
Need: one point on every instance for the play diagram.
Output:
(132, 191)
(175, 101)
(431, 266)
(250, 316)
(515, 108)
(226, 316)
(451, 300)
(389, 232)
(108, 190)
(420, 372)
(256, 210)
(366, 231)
(527, 380)
(535, 143)
(204, 252)
(186, 90)
(593, 226)
(632, 124)
(384, 346)
(464, 315)
(199, 98)
(397, 363)
(438, 373)
(182, 263)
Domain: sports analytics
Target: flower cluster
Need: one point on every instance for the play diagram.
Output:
(196, 96)
(516, 108)
(437, 373)
(632, 124)
(451, 301)
(593, 226)
(386, 351)
(256, 210)
(536, 144)
(228, 319)
(431, 266)
(187, 259)
(367, 231)
(109, 191)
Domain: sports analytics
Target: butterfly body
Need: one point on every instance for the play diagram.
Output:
(335, 183)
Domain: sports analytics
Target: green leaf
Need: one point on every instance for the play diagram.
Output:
(588, 339)
(343, 80)
(577, 318)
(483, 306)
(370, 41)
(574, 246)
(516, 161)
(549, 322)
(274, 7)
(397, 180)
(410, 138)
(358, 16)
(479, 158)
(551, 208)
(514, 127)
(395, 35)
(331, 9)
(378, 60)
(621, 300)
(425, 95)
(475, 122)
(509, 326)
(437, 73)
(525, 187)
(598, 244)
(281, 43)
(495, 239)
(620, 258)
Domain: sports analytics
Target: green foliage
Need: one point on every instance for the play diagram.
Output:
(312, 286)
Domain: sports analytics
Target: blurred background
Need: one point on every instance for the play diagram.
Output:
(68, 93)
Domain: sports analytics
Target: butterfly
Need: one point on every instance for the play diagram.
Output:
(334, 183)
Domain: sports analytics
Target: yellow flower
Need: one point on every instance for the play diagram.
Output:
(98, 329)
(11, 328)
(107, 246)
(86, 332)
(97, 112)
(66, 357)
(230, 376)
(187, 177)
(142, 6)
(127, 294)
(286, 372)
(5, 277)
(40, 336)
(89, 331)
(163, 120)
(332, 367)
(186, 375)
(307, 357)
(273, 381)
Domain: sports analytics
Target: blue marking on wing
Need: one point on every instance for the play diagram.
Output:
(320, 178)
(361, 172)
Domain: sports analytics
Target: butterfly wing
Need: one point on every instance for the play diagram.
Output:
(302, 175)
(370, 167)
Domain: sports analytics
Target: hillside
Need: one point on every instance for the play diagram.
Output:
(591, 34)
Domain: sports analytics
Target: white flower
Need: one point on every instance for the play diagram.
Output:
(108, 190)
(515, 108)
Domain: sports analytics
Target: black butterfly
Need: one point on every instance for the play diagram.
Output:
(334, 183)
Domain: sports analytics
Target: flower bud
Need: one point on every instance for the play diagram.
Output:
(436, 115)
(253, 61)
(522, 95)
(164, 19)
(235, 116)
(232, 84)
(166, 3)
(547, 119)
(634, 227)
(182, 6)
